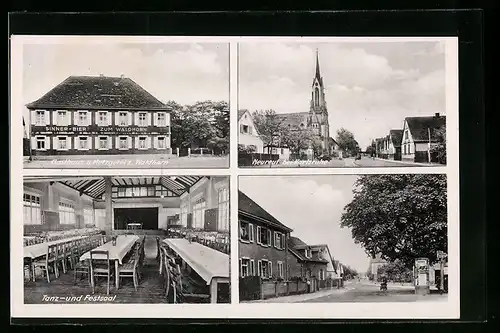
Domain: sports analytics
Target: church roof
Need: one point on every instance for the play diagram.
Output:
(92, 92)
(294, 119)
(318, 73)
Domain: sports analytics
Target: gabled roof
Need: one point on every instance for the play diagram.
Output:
(92, 92)
(396, 136)
(420, 127)
(295, 242)
(248, 207)
(294, 119)
(241, 113)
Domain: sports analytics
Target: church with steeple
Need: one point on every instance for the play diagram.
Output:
(316, 119)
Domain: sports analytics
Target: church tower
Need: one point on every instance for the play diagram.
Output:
(318, 113)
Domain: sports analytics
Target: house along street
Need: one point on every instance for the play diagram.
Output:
(340, 163)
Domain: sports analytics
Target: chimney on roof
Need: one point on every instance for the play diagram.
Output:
(436, 115)
(101, 75)
(122, 76)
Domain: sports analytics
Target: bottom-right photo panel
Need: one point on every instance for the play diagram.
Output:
(343, 238)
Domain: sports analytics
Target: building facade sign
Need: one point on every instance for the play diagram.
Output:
(111, 130)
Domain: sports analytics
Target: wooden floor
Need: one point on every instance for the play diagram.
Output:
(148, 291)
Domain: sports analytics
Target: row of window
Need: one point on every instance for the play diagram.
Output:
(102, 118)
(32, 212)
(264, 236)
(101, 142)
(199, 207)
(264, 268)
(141, 191)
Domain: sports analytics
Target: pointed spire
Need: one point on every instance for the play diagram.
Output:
(318, 75)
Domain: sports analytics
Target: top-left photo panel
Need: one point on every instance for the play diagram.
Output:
(117, 102)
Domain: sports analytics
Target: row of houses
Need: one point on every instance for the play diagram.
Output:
(414, 141)
(268, 250)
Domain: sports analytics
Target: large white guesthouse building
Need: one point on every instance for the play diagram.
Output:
(99, 115)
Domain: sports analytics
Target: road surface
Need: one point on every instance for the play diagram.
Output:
(366, 291)
(364, 162)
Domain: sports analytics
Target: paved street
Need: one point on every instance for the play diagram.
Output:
(127, 162)
(366, 291)
(376, 162)
(365, 162)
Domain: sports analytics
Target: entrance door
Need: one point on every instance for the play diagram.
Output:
(148, 217)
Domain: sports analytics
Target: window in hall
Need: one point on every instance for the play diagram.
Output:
(280, 269)
(83, 118)
(223, 209)
(40, 118)
(246, 231)
(244, 267)
(142, 119)
(199, 214)
(103, 142)
(265, 268)
(102, 119)
(142, 142)
(123, 118)
(63, 142)
(123, 142)
(66, 213)
(184, 214)
(84, 144)
(162, 119)
(161, 142)
(62, 118)
(32, 213)
(88, 216)
(40, 143)
(263, 236)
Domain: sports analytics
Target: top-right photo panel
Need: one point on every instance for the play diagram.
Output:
(342, 104)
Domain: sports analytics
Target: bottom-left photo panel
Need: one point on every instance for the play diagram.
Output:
(126, 239)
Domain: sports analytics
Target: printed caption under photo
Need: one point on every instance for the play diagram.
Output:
(285, 162)
(81, 298)
(97, 162)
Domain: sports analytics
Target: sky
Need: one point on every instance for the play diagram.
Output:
(185, 73)
(370, 87)
(312, 206)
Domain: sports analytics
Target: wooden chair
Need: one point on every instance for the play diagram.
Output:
(100, 268)
(50, 259)
(80, 267)
(130, 268)
(179, 292)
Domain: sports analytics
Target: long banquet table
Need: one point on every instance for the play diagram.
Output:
(210, 264)
(124, 244)
(39, 250)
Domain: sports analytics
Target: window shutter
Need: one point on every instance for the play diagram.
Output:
(155, 142)
(250, 129)
(136, 118)
(54, 117)
(250, 232)
(167, 119)
(68, 142)
(155, 118)
(117, 142)
(33, 117)
(241, 128)
(148, 142)
(56, 142)
(270, 267)
(259, 267)
(109, 115)
(110, 141)
(136, 139)
(252, 267)
(75, 118)
(129, 118)
(129, 140)
(269, 237)
(47, 142)
(89, 117)
(77, 142)
(148, 118)
(258, 235)
(33, 142)
(96, 142)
